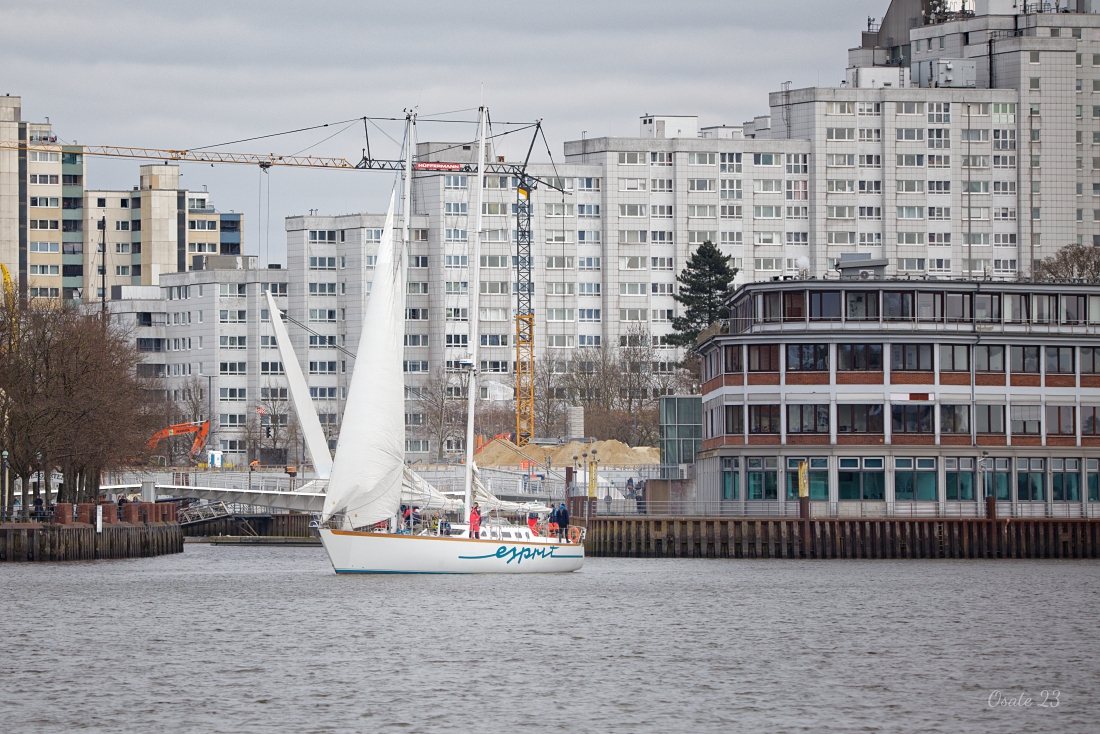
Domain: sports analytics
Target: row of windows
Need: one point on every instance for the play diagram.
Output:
(907, 418)
(917, 478)
(908, 358)
(897, 305)
(904, 358)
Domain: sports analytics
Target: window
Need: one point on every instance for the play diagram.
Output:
(763, 358)
(1026, 419)
(989, 419)
(632, 184)
(807, 419)
(449, 314)
(859, 357)
(763, 419)
(1030, 480)
(232, 342)
(1024, 359)
(911, 418)
(808, 357)
(870, 161)
(856, 484)
(1060, 420)
(825, 306)
(842, 160)
(915, 479)
(910, 133)
(589, 263)
(897, 306)
(1065, 480)
(1090, 360)
(559, 262)
(233, 368)
(1059, 360)
(859, 418)
(954, 419)
(840, 133)
(911, 358)
(953, 358)
(959, 479)
(861, 306)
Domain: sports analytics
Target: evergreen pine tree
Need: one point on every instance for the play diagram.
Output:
(705, 285)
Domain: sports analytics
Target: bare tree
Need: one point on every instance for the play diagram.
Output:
(1072, 261)
(442, 409)
(70, 398)
(550, 395)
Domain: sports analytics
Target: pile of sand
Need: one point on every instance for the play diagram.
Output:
(610, 453)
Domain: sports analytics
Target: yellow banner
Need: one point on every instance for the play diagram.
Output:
(592, 480)
(803, 480)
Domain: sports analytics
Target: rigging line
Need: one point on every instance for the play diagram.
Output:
(330, 137)
(274, 135)
(371, 120)
(436, 114)
(547, 144)
(487, 137)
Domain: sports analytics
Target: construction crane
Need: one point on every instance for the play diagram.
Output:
(526, 183)
(183, 429)
(10, 307)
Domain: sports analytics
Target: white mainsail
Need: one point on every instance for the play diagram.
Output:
(367, 472)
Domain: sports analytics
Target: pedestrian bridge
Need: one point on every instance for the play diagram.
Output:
(309, 498)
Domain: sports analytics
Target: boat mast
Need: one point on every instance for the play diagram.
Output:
(475, 289)
(406, 207)
(406, 203)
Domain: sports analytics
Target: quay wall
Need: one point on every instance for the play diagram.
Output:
(712, 537)
(288, 525)
(33, 541)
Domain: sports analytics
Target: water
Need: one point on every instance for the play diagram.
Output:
(229, 639)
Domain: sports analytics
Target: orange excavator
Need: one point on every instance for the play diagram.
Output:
(181, 429)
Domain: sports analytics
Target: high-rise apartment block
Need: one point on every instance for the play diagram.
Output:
(155, 229)
(41, 197)
(53, 228)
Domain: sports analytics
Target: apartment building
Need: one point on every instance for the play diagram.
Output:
(155, 229)
(904, 398)
(41, 193)
(206, 340)
(960, 139)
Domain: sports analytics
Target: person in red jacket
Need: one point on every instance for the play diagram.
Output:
(475, 522)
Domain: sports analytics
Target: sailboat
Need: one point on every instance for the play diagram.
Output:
(369, 476)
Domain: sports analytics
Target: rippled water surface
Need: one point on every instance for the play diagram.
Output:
(229, 639)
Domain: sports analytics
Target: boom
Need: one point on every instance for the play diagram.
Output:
(181, 429)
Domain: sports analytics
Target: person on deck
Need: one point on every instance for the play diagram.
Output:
(552, 522)
(563, 522)
(475, 522)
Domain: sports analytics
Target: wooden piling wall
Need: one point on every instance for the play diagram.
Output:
(80, 542)
(711, 537)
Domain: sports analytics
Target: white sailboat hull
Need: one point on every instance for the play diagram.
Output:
(359, 552)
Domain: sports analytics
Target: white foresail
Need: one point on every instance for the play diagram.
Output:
(304, 408)
(367, 472)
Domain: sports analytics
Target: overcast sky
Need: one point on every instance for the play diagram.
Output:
(185, 75)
